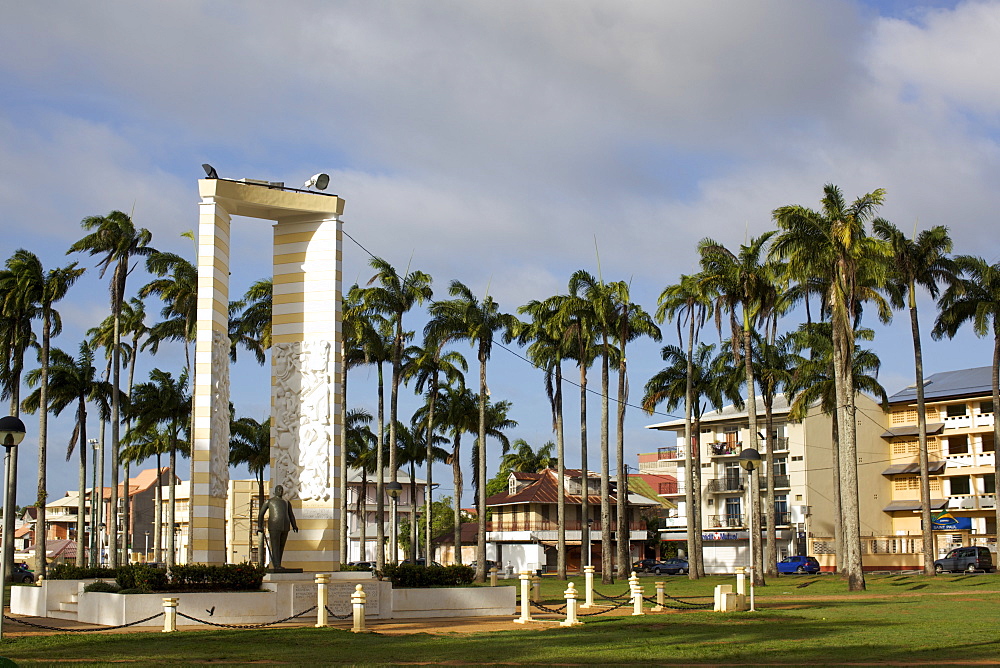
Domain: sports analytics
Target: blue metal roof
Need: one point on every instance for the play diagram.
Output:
(964, 382)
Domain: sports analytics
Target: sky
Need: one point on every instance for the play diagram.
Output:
(503, 144)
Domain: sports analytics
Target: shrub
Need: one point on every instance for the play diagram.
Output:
(71, 572)
(102, 586)
(414, 576)
(142, 576)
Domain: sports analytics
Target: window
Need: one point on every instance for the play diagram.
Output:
(958, 445)
(780, 466)
(960, 485)
(989, 483)
(988, 444)
(733, 508)
(985, 407)
(780, 506)
(956, 410)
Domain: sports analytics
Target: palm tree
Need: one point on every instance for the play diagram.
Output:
(116, 238)
(546, 350)
(699, 379)
(250, 444)
(16, 313)
(73, 382)
(393, 297)
(165, 402)
(459, 415)
(250, 320)
(497, 421)
(920, 262)
(813, 383)
(138, 444)
(743, 280)
(689, 301)
(597, 297)
(133, 324)
(574, 320)
(630, 322)
(415, 451)
(833, 244)
(774, 365)
(351, 356)
(975, 299)
(425, 366)
(43, 288)
(360, 445)
(465, 317)
(525, 459)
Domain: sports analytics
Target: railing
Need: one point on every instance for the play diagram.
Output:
(725, 521)
(780, 481)
(780, 443)
(722, 449)
(666, 488)
(780, 519)
(668, 453)
(548, 525)
(726, 484)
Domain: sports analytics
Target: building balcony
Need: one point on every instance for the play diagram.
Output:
(671, 488)
(724, 449)
(548, 525)
(726, 484)
(669, 453)
(780, 482)
(972, 502)
(725, 522)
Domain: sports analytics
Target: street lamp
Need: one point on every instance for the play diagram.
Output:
(394, 489)
(11, 433)
(590, 552)
(145, 554)
(750, 460)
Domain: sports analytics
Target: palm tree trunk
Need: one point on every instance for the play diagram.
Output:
(754, 510)
(848, 458)
(393, 438)
(342, 479)
(43, 428)
(81, 506)
(456, 472)
(260, 504)
(584, 478)
(158, 499)
(838, 512)
(695, 511)
(996, 423)
(481, 468)
(607, 567)
(414, 533)
(695, 569)
(116, 366)
(11, 473)
(925, 477)
(771, 540)
(380, 479)
(429, 439)
(622, 530)
(561, 482)
(172, 505)
(363, 516)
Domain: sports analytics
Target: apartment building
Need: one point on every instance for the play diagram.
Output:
(803, 477)
(961, 447)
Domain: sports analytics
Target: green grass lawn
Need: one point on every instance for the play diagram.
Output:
(901, 619)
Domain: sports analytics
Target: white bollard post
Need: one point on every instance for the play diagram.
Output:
(571, 619)
(588, 586)
(358, 602)
(493, 576)
(536, 589)
(660, 586)
(637, 601)
(741, 587)
(322, 596)
(170, 614)
(752, 608)
(525, 617)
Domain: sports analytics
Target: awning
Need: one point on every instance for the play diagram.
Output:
(914, 467)
(913, 430)
(914, 504)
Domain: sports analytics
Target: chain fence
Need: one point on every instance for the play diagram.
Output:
(335, 615)
(96, 628)
(246, 626)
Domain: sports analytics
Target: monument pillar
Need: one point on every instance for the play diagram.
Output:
(305, 368)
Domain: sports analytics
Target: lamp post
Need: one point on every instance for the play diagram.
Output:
(750, 460)
(11, 433)
(177, 543)
(145, 553)
(394, 489)
(95, 504)
(590, 552)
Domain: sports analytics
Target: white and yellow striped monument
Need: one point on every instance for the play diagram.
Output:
(305, 366)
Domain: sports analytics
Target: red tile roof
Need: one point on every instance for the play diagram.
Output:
(545, 490)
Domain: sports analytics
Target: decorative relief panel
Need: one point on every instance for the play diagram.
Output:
(303, 428)
(219, 446)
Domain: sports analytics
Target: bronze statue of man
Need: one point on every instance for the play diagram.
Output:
(280, 519)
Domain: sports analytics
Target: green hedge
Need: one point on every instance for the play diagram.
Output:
(71, 572)
(414, 576)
